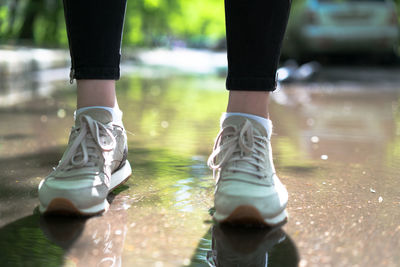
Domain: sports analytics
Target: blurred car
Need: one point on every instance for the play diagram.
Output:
(341, 27)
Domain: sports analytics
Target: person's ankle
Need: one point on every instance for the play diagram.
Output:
(96, 93)
(249, 102)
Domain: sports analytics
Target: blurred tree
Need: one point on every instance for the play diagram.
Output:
(30, 14)
(156, 22)
(147, 22)
(37, 22)
(12, 15)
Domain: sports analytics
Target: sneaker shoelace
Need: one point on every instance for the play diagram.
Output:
(238, 145)
(83, 152)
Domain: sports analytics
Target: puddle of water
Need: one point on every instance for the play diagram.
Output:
(226, 245)
(330, 150)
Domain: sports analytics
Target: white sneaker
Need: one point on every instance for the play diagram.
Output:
(248, 191)
(93, 164)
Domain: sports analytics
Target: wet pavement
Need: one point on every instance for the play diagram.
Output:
(336, 148)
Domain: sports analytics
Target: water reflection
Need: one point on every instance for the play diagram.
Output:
(348, 125)
(94, 242)
(66, 241)
(231, 246)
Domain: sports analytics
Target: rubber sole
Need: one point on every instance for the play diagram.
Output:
(65, 206)
(249, 215)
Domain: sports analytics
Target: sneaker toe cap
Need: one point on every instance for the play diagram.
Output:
(268, 200)
(83, 193)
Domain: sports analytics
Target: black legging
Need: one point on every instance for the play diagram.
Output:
(254, 31)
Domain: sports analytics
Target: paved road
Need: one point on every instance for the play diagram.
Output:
(336, 146)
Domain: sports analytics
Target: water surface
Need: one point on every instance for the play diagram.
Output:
(336, 147)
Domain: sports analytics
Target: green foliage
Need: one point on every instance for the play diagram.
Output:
(198, 18)
(3, 17)
(155, 22)
(147, 22)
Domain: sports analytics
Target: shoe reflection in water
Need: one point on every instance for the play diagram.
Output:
(95, 241)
(238, 246)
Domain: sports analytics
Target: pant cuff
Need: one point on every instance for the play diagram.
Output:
(250, 84)
(97, 73)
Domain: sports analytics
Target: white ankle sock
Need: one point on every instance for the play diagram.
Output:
(263, 121)
(115, 112)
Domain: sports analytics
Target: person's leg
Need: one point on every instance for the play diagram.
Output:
(95, 32)
(95, 161)
(254, 31)
(248, 189)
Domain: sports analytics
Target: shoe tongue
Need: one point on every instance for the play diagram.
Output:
(97, 114)
(240, 120)
(258, 129)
